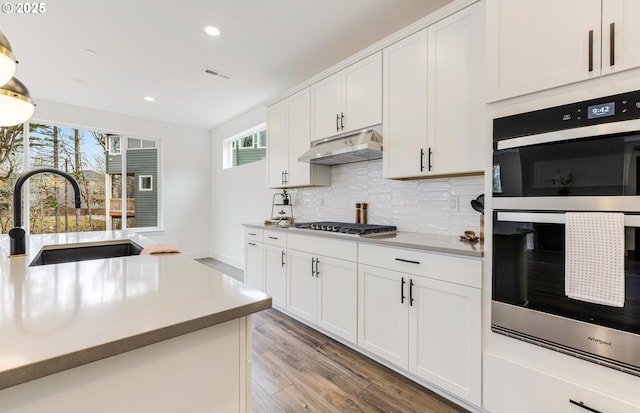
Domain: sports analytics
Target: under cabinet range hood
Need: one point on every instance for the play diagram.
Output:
(356, 147)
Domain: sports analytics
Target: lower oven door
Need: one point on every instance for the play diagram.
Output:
(529, 300)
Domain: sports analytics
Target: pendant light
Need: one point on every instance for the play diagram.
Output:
(8, 61)
(16, 106)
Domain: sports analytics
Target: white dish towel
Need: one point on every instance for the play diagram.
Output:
(594, 257)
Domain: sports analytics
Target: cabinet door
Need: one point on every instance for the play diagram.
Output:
(337, 297)
(299, 124)
(536, 391)
(383, 315)
(277, 148)
(253, 269)
(456, 93)
(326, 105)
(445, 336)
(275, 275)
(363, 94)
(620, 27)
(404, 108)
(301, 297)
(540, 44)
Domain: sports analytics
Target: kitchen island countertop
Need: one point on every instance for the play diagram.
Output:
(56, 317)
(448, 244)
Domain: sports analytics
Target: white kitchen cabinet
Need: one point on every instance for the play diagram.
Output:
(513, 387)
(323, 289)
(348, 100)
(426, 321)
(253, 271)
(288, 131)
(434, 99)
(275, 270)
(383, 316)
(535, 45)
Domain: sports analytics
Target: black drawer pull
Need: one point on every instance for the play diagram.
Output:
(252, 243)
(409, 261)
(273, 238)
(580, 404)
(402, 296)
(282, 258)
(253, 234)
(411, 293)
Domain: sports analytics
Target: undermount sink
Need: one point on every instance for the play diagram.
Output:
(57, 254)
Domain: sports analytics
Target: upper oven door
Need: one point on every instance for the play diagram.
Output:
(597, 166)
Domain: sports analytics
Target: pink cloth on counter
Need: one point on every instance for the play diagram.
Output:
(159, 249)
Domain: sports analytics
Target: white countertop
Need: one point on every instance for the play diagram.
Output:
(428, 242)
(78, 312)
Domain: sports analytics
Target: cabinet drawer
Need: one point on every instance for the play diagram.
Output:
(460, 270)
(277, 238)
(253, 234)
(329, 247)
(537, 391)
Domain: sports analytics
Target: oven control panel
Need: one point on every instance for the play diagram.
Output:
(616, 108)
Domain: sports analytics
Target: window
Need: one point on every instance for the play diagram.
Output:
(97, 161)
(245, 147)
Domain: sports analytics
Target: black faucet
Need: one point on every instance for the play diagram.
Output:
(17, 240)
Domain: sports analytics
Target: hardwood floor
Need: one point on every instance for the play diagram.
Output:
(297, 369)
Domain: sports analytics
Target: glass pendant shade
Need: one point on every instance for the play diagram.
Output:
(16, 106)
(7, 60)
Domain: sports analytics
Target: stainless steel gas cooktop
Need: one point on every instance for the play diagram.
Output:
(347, 228)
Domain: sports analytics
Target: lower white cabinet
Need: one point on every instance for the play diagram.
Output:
(321, 289)
(275, 266)
(428, 326)
(513, 387)
(253, 262)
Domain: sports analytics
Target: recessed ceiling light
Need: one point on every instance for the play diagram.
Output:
(149, 99)
(212, 30)
(80, 81)
(90, 52)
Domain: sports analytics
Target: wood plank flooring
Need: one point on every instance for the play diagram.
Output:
(297, 369)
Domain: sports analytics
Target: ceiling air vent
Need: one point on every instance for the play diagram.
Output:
(217, 73)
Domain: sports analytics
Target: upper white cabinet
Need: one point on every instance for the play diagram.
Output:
(535, 45)
(434, 99)
(348, 100)
(288, 128)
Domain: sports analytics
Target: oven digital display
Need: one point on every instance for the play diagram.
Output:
(602, 110)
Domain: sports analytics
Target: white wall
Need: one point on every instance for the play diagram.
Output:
(239, 194)
(186, 177)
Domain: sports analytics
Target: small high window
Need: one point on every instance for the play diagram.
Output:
(245, 147)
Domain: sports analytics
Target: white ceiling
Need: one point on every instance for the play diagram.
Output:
(158, 48)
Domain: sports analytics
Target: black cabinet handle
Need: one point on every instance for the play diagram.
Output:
(337, 122)
(282, 177)
(286, 178)
(584, 406)
(409, 261)
(402, 296)
(270, 237)
(253, 234)
(317, 270)
(612, 44)
(341, 121)
(282, 258)
(430, 156)
(591, 50)
(252, 243)
(313, 272)
(411, 293)
(421, 159)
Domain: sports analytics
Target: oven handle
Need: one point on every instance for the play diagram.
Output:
(568, 134)
(553, 218)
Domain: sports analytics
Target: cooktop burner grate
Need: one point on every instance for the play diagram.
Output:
(346, 227)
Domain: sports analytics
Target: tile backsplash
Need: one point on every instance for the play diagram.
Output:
(417, 205)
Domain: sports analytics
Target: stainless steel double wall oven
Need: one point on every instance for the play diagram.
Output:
(583, 156)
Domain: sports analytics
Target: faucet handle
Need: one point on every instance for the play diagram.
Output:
(17, 244)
